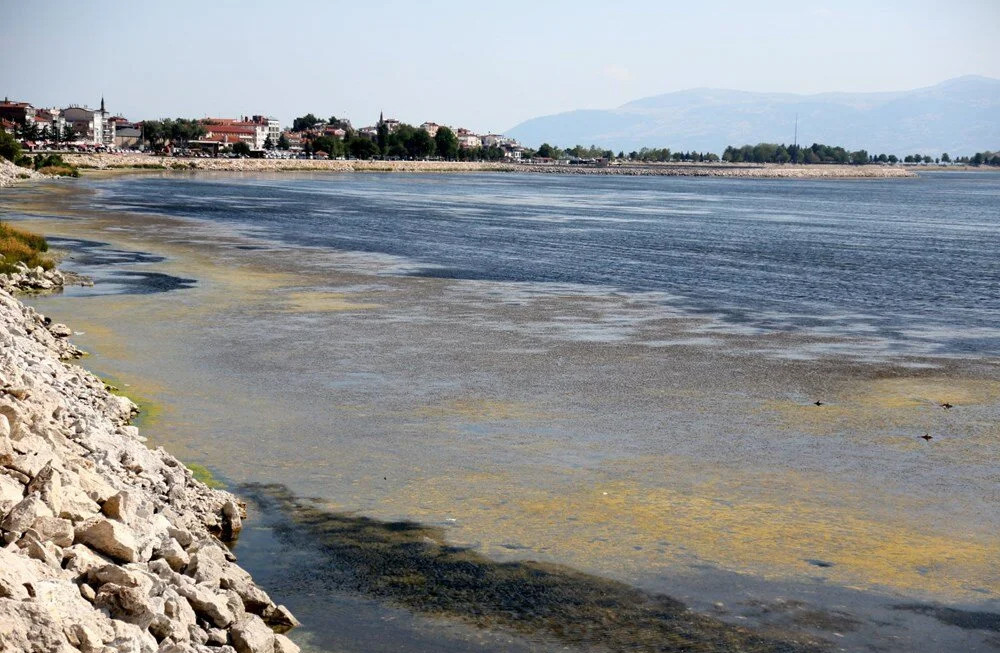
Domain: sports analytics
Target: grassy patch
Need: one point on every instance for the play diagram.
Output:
(203, 474)
(20, 246)
(59, 171)
(51, 164)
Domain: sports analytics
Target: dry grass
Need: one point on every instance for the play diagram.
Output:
(20, 246)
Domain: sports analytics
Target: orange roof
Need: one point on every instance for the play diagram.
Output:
(231, 129)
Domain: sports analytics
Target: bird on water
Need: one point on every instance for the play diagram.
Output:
(817, 403)
(927, 436)
(946, 405)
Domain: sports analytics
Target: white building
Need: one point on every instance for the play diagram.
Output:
(273, 128)
(489, 140)
(89, 125)
(469, 141)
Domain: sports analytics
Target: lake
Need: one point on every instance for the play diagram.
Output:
(618, 375)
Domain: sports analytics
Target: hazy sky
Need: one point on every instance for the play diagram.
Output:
(485, 66)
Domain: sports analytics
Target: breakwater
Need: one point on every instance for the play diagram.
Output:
(754, 171)
(107, 544)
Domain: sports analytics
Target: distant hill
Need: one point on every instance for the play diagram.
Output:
(959, 116)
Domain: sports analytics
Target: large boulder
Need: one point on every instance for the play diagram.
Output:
(11, 493)
(213, 607)
(24, 514)
(251, 635)
(76, 505)
(110, 537)
(54, 529)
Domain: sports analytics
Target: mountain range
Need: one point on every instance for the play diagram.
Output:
(959, 116)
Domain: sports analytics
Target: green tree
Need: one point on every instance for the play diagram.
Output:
(446, 143)
(328, 144)
(945, 158)
(382, 138)
(268, 145)
(302, 123)
(10, 149)
(153, 133)
(363, 148)
(546, 151)
(419, 144)
(241, 148)
(283, 143)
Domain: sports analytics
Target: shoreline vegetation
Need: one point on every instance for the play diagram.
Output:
(135, 162)
(21, 250)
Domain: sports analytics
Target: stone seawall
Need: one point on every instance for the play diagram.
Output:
(105, 544)
(758, 171)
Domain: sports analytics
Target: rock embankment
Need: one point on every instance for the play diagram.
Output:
(105, 544)
(11, 174)
(755, 171)
(26, 279)
(142, 161)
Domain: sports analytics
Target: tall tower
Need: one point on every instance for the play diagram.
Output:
(102, 105)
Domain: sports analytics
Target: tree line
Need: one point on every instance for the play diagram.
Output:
(404, 142)
(30, 131)
(173, 130)
(775, 153)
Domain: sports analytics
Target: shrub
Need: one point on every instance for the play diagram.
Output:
(60, 171)
(20, 246)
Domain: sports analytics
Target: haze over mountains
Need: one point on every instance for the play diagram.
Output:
(959, 116)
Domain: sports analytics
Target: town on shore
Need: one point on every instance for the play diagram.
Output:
(49, 133)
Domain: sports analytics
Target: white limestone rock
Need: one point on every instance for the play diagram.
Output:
(110, 537)
(251, 635)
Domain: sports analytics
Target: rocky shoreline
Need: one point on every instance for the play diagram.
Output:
(11, 174)
(752, 171)
(107, 545)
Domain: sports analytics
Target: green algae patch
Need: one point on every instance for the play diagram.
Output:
(149, 410)
(204, 475)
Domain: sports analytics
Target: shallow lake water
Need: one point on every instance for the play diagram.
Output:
(614, 375)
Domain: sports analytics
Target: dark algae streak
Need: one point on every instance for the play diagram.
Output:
(407, 564)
